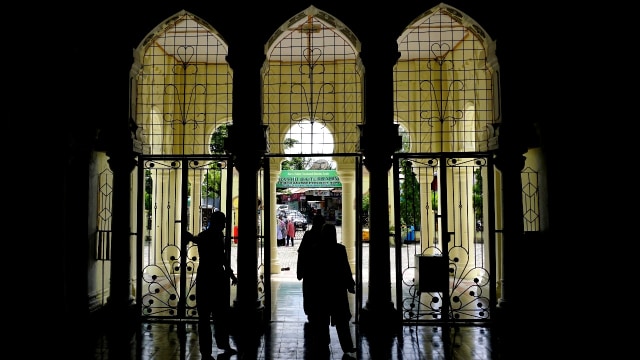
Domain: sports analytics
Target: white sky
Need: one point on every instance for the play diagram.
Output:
(312, 139)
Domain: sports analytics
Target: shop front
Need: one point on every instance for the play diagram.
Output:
(312, 192)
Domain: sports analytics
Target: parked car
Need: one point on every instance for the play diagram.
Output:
(298, 218)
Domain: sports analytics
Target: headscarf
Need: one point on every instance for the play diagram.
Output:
(318, 220)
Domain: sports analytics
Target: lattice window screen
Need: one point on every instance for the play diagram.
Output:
(530, 199)
(444, 86)
(183, 86)
(312, 87)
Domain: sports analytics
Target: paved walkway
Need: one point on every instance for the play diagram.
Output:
(288, 256)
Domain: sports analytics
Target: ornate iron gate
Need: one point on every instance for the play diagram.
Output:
(177, 195)
(444, 237)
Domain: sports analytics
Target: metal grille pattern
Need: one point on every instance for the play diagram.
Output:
(449, 202)
(445, 86)
(312, 87)
(102, 245)
(531, 199)
(162, 273)
(105, 202)
(182, 93)
(445, 99)
(183, 86)
(169, 266)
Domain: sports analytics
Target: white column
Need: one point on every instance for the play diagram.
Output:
(347, 178)
(274, 175)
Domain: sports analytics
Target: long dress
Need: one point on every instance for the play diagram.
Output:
(329, 279)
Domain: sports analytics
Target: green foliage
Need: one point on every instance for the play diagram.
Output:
(212, 181)
(365, 204)
(148, 189)
(217, 140)
(406, 145)
(289, 143)
(477, 193)
(409, 196)
(434, 201)
(296, 162)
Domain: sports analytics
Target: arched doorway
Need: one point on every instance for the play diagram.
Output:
(446, 94)
(312, 94)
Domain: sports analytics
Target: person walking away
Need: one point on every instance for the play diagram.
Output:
(291, 231)
(330, 282)
(212, 287)
(305, 255)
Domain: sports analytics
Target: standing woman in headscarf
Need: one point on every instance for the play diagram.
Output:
(332, 280)
(304, 270)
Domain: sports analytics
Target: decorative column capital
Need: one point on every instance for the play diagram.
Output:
(378, 146)
(509, 161)
(247, 158)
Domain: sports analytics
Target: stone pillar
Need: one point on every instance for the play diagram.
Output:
(274, 175)
(248, 306)
(247, 143)
(347, 177)
(379, 139)
(510, 165)
(379, 308)
(120, 303)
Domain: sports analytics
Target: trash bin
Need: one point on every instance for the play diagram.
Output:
(411, 234)
(431, 273)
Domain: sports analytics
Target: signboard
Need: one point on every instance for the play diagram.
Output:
(309, 179)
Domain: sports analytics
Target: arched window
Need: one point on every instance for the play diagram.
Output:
(445, 83)
(182, 86)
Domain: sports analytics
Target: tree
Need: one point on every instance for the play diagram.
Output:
(296, 162)
(213, 177)
(148, 189)
(409, 196)
(217, 140)
(365, 204)
(477, 193)
(365, 210)
(212, 181)
(406, 141)
(289, 143)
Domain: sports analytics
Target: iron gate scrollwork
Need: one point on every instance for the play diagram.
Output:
(175, 198)
(443, 206)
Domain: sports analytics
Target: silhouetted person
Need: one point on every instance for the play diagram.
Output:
(331, 280)
(212, 287)
(305, 255)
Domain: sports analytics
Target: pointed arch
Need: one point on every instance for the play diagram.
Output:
(313, 73)
(181, 86)
(447, 66)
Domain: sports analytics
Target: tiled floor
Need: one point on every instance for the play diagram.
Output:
(285, 339)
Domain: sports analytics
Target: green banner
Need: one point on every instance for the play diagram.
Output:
(309, 179)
